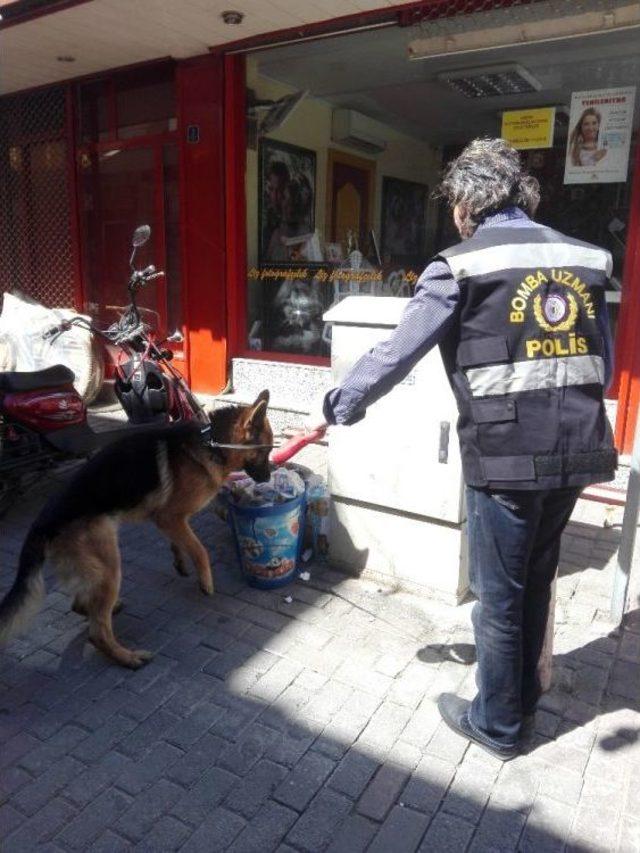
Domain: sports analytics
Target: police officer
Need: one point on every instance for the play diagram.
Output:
(518, 310)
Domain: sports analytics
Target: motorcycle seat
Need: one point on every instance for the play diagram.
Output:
(34, 380)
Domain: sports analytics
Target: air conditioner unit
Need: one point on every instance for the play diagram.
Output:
(355, 130)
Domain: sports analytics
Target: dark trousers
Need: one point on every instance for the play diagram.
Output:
(514, 545)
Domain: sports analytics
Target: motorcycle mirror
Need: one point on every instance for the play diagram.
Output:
(176, 337)
(140, 236)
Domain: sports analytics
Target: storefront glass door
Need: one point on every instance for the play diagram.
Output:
(123, 187)
(128, 175)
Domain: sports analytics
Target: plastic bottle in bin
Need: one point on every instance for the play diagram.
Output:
(318, 504)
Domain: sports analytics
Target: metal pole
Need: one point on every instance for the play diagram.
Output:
(628, 535)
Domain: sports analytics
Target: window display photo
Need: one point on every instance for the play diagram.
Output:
(293, 302)
(287, 189)
(404, 205)
(600, 125)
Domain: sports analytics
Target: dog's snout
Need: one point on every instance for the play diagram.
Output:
(260, 473)
(263, 475)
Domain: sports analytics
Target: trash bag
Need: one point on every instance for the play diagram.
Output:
(284, 485)
(24, 348)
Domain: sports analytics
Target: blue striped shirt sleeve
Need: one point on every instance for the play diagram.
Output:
(425, 322)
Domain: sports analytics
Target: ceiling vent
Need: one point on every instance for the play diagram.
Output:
(356, 130)
(491, 82)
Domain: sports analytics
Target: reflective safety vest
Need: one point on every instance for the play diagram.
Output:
(525, 359)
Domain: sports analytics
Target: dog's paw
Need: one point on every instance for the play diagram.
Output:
(139, 658)
(207, 587)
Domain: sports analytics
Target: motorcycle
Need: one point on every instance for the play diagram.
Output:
(43, 420)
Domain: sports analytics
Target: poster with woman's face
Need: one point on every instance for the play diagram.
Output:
(600, 126)
(287, 193)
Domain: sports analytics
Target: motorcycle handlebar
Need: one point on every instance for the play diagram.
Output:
(111, 335)
(142, 277)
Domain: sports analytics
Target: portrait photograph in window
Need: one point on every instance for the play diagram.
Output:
(287, 199)
(292, 312)
(403, 220)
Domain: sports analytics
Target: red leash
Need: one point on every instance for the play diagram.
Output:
(295, 444)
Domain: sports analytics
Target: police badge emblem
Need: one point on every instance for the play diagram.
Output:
(557, 312)
(555, 308)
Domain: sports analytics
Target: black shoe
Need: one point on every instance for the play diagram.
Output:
(454, 711)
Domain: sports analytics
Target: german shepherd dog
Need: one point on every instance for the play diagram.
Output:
(163, 474)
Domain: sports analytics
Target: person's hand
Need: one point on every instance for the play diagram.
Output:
(315, 424)
(315, 420)
(314, 427)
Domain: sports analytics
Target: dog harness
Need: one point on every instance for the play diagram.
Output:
(205, 432)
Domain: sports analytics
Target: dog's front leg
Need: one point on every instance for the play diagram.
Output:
(183, 538)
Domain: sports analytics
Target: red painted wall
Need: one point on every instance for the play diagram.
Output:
(201, 110)
(628, 338)
(236, 213)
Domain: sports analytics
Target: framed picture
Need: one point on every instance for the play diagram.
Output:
(292, 309)
(286, 201)
(403, 220)
(334, 252)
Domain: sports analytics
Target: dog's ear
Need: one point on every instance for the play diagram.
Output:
(257, 412)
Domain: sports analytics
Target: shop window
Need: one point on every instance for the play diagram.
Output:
(323, 221)
(347, 138)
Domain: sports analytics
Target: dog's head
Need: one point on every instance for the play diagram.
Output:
(252, 427)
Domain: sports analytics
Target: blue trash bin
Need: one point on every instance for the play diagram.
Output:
(269, 541)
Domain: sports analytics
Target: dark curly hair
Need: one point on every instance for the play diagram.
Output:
(485, 178)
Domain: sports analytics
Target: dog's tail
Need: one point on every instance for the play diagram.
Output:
(25, 597)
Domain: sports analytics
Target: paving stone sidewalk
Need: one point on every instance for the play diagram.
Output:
(308, 726)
